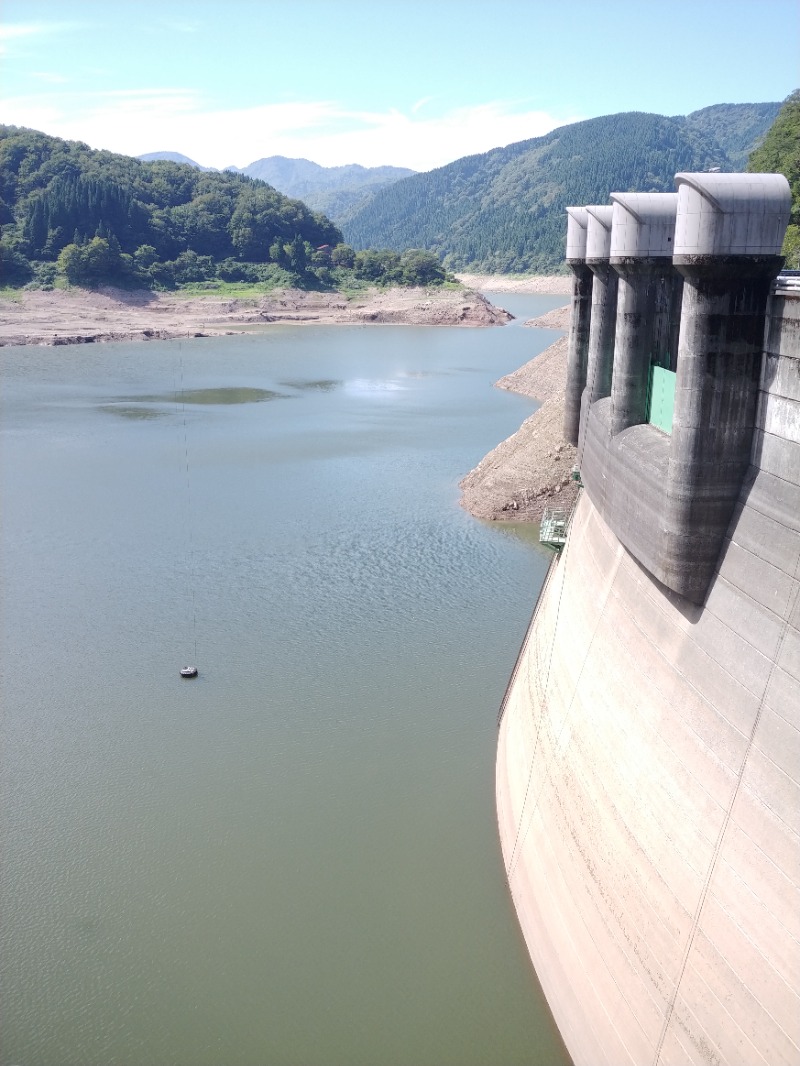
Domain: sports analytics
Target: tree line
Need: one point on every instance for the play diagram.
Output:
(780, 153)
(90, 216)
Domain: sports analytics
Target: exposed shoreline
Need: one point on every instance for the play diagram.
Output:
(558, 318)
(556, 284)
(531, 469)
(81, 316)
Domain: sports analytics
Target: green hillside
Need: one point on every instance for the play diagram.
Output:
(97, 215)
(736, 128)
(503, 211)
(779, 153)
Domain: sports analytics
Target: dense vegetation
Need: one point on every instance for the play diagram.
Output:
(335, 191)
(504, 210)
(93, 216)
(735, 128)
(780, 154)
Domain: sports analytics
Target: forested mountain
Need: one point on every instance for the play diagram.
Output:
(332, 190)
(736, 128)
(159, 221)
(504, 210)
(94, 215)
(779, 153)
(335, 191)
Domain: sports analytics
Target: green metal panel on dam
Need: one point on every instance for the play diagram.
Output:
(661, 402)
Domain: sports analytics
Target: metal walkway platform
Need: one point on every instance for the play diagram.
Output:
(553, 528)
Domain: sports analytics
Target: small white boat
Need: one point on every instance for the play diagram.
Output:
(189, 671)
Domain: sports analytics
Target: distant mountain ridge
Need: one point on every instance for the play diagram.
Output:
(332, 190)
(503, 211)
(335, 191)
(171, 157)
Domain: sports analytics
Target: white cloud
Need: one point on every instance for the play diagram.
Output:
(420, 104)
(12, 32)
(175, 119)
(49, 77)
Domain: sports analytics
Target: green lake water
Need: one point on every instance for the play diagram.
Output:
(292, 860)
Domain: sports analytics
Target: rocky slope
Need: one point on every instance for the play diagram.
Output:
(531, 470)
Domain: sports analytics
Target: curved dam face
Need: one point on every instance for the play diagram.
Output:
(648, 767)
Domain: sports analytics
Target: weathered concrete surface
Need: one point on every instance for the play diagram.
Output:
(719, 358)
(578, 351)
(648, 778)
(670, 499)
(642, 237)
(727, 264)
(603, 315)
(645, 303)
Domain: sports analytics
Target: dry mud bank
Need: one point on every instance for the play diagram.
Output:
(79, 316)
(531, 470)
(556, 284)
(558, 318)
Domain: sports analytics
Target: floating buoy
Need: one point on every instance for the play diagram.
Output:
(189, 671)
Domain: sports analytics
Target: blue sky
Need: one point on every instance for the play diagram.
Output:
(405, 82)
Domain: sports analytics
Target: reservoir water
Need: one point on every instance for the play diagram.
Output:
(292, 860)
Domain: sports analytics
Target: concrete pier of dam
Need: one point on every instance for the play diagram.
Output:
(648, 765)
(603, 313)
(578, 351)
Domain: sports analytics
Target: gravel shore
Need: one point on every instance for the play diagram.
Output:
(556, 284)
(531, 470)
(81, 316)
(555, 319)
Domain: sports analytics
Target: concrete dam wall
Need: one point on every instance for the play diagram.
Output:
(648, 767)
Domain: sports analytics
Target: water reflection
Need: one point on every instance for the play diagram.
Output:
(322, 385)
(137, 414)
(215, 396)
